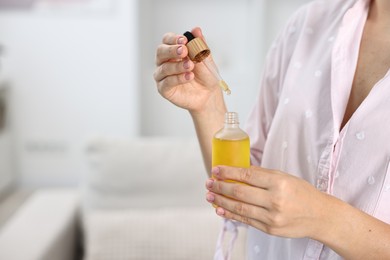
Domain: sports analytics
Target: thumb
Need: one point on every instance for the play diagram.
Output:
(197, 32)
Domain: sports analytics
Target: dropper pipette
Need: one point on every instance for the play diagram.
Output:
(214, 70)
(199, 52)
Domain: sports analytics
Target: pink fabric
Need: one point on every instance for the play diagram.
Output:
(295, 124)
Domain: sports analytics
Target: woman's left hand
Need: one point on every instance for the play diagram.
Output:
(272, 201)
(283, 205)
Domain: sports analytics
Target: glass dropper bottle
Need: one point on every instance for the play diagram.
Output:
(198, 51)
(231, 145)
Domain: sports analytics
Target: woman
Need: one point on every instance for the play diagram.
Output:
(319, 187)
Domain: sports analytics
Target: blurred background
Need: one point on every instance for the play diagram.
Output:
(75, 70)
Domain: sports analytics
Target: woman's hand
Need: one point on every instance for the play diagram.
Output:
(186, 84)
(283, 205)
(274, 202)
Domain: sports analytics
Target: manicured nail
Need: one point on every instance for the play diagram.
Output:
(180, 40)
(215, 171)
(187, 76)
(209, 183)
(220, 211)
(210, 197)
(179, 50)
(186, 64)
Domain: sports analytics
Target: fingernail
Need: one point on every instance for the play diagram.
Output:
(209, 183)
(179, 50)
(220, 211)
(187, 76)
(186, 64)
(210, 197)
(215, 171)
(180, 40)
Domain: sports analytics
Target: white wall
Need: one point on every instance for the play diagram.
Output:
(73, 76)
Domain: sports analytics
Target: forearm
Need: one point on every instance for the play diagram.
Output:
(207, 122)
(352, 233)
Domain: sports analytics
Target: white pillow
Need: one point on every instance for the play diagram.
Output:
(164, 234)
(144, 173)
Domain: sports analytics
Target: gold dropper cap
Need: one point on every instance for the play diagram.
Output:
(198, 50)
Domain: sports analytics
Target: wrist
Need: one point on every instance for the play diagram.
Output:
(333, 214)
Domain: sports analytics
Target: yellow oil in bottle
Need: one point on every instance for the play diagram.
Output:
(231, 145)
(231, 152)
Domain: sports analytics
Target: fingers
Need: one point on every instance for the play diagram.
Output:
(173, 68)
(165, 85)
(254, 176)
(239, 192)
(245, 213)
(197, 32)
(173, 39)
(167, 53)
(172, 48)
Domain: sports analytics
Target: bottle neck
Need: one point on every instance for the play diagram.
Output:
(231, 120)
(230, 125)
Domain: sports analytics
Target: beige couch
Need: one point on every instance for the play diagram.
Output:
(145, 199)
(139, 199)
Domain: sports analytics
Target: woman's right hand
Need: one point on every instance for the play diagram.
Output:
(186, 84)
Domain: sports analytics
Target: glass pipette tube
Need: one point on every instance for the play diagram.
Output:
(214, 70)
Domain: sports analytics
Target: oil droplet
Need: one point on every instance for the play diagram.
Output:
(225, 87)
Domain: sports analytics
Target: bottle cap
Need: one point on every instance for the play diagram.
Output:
(197, 48)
